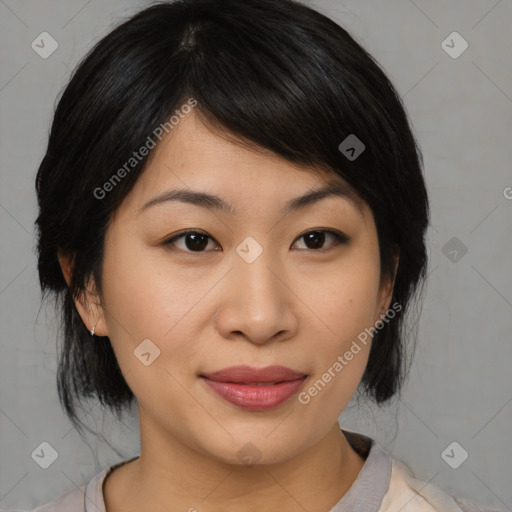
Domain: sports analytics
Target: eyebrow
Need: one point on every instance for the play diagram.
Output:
(333, 188)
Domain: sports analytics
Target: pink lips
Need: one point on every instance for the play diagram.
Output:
(255, 389)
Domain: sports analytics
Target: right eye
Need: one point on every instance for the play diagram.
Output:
(193, 241)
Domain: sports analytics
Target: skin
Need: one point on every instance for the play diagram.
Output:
(293, 306)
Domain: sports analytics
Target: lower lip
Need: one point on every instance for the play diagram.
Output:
(255, 398)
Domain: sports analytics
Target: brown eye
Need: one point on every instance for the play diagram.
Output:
(315, 239)
(193, 241)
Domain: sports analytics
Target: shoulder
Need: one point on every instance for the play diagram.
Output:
(71, 501)
(78, 499)
(86, 498)
(410, 494)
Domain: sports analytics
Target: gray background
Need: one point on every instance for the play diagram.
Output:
(459, 388)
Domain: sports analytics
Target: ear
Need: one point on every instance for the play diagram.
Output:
(88, 304)
(387, 285)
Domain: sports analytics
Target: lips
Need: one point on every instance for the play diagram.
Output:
(255, 389)
(248, 375)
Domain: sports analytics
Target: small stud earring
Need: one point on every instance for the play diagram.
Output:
(92, 330)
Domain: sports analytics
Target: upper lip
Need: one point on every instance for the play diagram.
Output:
(245, 374)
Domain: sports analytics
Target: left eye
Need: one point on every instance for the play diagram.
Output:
(316, 238)
(196, 241)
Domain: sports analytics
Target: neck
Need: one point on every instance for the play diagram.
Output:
(177, 477)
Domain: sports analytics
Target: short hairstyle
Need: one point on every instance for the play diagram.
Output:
(274, 74)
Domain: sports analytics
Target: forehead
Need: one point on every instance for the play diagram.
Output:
(208, 167)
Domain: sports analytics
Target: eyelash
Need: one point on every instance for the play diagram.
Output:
(340, 238)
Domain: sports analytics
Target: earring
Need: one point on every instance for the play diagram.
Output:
(94, 326)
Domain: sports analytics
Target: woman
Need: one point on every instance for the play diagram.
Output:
(233, 210)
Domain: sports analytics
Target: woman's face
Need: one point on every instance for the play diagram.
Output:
(255, 291)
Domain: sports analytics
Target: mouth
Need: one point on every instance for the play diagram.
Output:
(255, 389)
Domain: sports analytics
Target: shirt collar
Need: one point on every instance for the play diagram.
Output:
(372, 483)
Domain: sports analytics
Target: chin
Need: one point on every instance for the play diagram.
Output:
(252, 449)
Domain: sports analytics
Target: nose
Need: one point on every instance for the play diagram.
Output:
(257, 302)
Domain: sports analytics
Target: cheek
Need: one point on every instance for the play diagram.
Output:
(143, 301)
(344, 299)
(346, 307)
(339, 360)
(146, 296)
